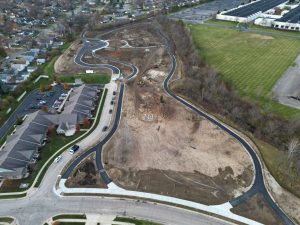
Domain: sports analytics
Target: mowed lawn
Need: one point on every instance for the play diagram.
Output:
(251, 62)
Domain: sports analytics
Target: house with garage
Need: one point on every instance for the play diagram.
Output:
(21, 149)
(82, 102)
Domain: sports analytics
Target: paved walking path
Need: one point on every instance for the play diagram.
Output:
(222, 210)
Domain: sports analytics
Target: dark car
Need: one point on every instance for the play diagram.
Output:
(74, 149)
(104, 128)
(112, 102)
(110, 111)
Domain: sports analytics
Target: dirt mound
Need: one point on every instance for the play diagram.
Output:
(85, 175)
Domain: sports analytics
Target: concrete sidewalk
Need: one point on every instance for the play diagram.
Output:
(106, 117)
(222, 210)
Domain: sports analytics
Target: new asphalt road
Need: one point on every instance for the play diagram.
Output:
(258, 185)
(43, 203)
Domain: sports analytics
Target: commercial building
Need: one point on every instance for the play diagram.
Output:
(249, 12)
(289, 21)
(279, 14)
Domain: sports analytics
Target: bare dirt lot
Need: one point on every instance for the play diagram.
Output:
(85, 175)
(161, 147)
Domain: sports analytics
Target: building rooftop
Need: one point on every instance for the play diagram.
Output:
(258, 6)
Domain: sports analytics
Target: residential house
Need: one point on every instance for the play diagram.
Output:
(20, 148)
(81, 102)
(40, 61)
(19, 64)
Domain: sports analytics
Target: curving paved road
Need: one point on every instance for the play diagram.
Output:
(88, 46)
(98, 147)
(44, 203)
(258, 185)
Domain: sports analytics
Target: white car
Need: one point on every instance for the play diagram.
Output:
(57, 159)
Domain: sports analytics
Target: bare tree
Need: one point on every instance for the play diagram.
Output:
(293, 148)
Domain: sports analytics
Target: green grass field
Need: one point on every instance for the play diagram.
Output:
(251, 62)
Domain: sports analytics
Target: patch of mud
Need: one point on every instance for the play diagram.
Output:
(195, 186)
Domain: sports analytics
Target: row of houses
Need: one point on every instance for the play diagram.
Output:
(20, 67)
(21, 150)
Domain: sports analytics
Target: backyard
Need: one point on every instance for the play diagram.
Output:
(251, 62)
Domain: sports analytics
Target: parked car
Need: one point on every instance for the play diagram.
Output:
(104, 128)
(112, 102)
(57, 159)
(74, 149)
(110, 111)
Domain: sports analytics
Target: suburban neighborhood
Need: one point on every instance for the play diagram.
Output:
(149, 112)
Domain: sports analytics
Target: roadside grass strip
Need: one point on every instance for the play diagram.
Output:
(69, 216)
(6, 220)
(58, 222)
(135, 221)
(252, 63)
(86, 78)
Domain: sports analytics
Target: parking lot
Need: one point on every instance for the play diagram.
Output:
(38, 100)
(33, 102)
(205, 11)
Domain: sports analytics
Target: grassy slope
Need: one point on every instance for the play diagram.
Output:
(87, 78)
(6, 219)
(69, 216)
(252, 63)
(72, 223)
(279, 167)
